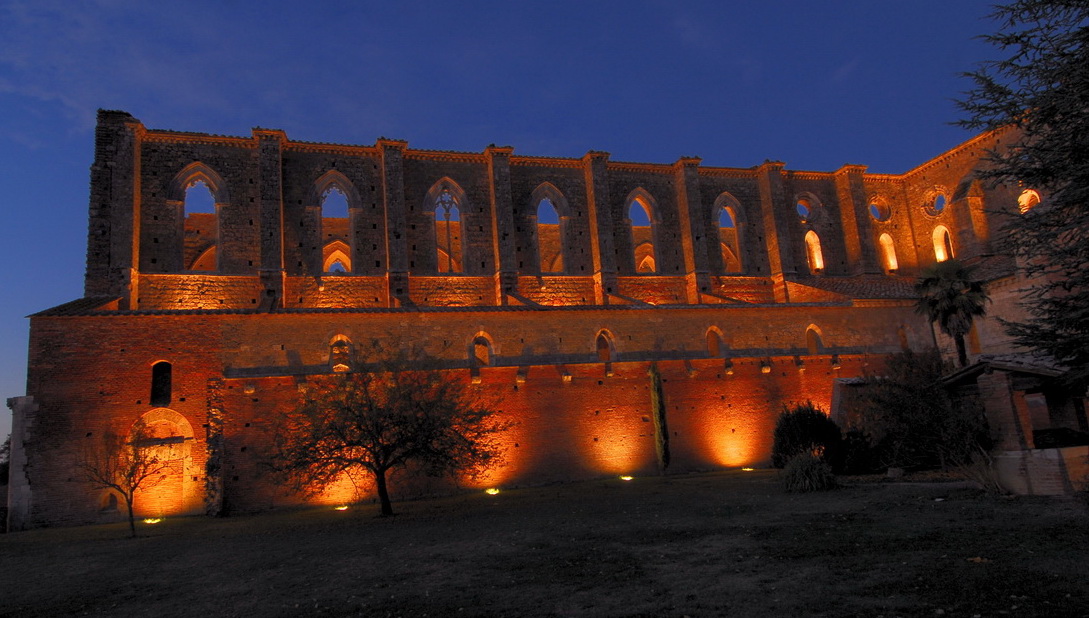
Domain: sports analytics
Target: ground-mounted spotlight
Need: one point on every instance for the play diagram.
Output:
(152, 520)
(492, 491)
(343, 507)
(626, 478)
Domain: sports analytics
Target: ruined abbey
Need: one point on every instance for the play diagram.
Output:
(551, 283)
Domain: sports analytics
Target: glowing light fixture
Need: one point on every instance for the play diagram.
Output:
(491, 491)
(153, 520)
(343, 507)
(626, 478)
(747, 469)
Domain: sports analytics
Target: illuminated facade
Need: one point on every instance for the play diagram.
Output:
(551, 283)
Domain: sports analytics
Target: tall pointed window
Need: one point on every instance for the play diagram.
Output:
(888, 253)
(201, 227)
(813, 253)
(943, 244)
(641, 224)
(549, 237)
(729, 232)
(334, 231)
(447, 231)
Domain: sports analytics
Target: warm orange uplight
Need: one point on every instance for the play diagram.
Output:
(614, 444)
(347, 488)
(626, 478)
(342, 507)
(734, 437)
(492, 491)
(747, 469)
(512, 463)
(153, 520)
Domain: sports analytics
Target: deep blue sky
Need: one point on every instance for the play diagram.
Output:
(814, 84)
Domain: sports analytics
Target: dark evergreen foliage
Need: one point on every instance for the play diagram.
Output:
(1041, 87)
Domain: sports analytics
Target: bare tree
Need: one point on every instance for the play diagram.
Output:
(379, 420)
(124, 464)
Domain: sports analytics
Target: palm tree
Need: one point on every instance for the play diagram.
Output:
(952, 298)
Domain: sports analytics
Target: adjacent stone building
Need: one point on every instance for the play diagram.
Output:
(550, 283)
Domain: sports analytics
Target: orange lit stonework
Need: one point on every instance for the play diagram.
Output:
(705, 271)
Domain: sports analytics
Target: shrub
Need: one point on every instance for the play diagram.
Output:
(859, 456)
(806, 472)
(912, 420)
(805, 428)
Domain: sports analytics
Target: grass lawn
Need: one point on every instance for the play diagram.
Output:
(724, 544)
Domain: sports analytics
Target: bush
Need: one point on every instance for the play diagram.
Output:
(806, 472)
(912, 420)
(859, 456)
(805, 428)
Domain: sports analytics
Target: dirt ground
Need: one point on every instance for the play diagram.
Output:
(724, 544)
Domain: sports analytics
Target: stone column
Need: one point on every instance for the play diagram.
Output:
(113, 231)
(602, 246)
(502, 216)
(858, 241)
(693, 224)
(392, 153)
(777, 232)
(271, 196)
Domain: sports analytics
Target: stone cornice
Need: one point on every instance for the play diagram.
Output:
(177, 137)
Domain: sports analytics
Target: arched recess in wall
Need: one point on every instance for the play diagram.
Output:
(604, 346)
(335, 258)
(550, 225)
(642, 221)
(715, 343)
(341, 353)
(726, 218)
(943, 244)
(167, 437)
(814, 255)
(199, 194)
(337, 202)
(814, 343)
(481, 350)
(888, 253)
(447, 200)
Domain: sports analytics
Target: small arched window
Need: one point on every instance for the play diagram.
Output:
(604, 347)
(888, 253)
(714, 343)
(340, 354)
(943, 244)
(161, 383)
(813, 252)
(813, 343)
(481, 352)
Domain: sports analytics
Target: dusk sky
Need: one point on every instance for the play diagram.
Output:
(814, 84)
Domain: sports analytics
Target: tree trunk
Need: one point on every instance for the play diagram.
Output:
(383, 493)
(962, 351)
(132, 518)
